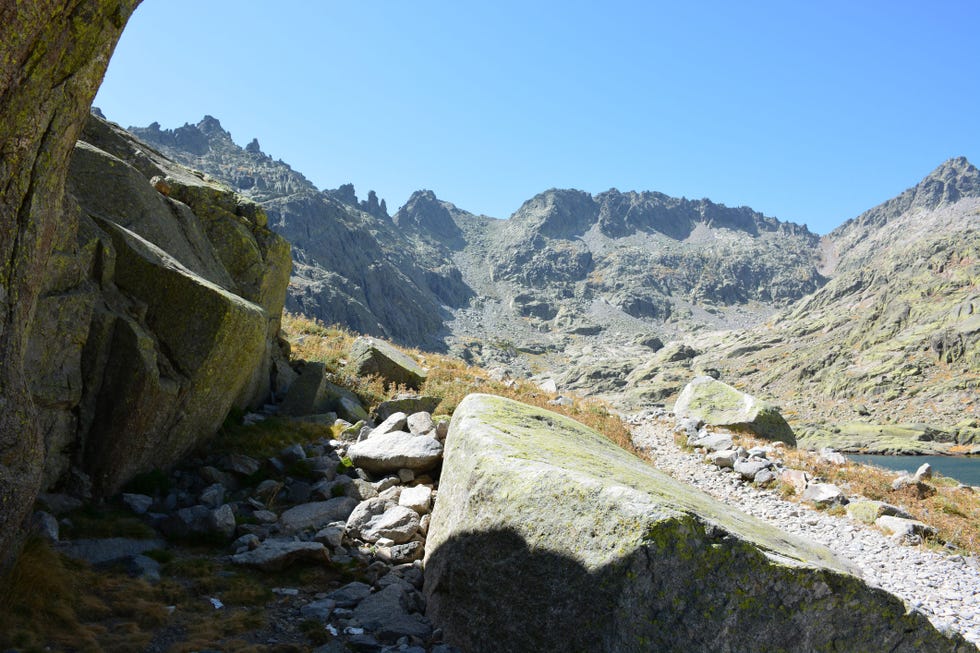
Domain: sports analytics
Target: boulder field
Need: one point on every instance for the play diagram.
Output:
(548, 537)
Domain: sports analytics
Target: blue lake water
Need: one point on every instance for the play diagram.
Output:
(966, 470)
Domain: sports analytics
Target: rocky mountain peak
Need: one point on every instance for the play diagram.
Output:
(430, 215)
(952, 181)
(558, 213)
(211, 125)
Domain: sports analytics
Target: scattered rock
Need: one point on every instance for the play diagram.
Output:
(275, 555)
(407, 404)
(377, 518)
(420, 424)
(394, 422)
(384, 614)
(109, 549)
(138, 503)
(907, 531)
(370, 356)
(867, 511)
(350, 594)
(749, 468)
(390, 452)
(316, 515)
(824, 495)
(711, 441)
(418, 498)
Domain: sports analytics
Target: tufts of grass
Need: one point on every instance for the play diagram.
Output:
(450, 379)
(943, 504)
(265, 438)
(96, 522)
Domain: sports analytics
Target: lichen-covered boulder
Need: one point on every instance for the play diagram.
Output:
(547, 537)
(719, 404)
(370, 356)
(167, 383)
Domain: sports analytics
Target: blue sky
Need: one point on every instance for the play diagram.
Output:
(810, 112)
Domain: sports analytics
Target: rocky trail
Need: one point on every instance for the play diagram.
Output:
(943, 586)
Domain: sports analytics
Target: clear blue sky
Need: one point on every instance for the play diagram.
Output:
(807, 111)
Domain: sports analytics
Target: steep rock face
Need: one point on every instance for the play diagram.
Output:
(594, 550)
(52, 58)
(353, 265)
(157, 315)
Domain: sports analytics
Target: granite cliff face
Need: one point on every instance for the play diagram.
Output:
(52, 58)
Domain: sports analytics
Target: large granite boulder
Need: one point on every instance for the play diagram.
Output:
(719, 404)
(370, 356)
(591, 549)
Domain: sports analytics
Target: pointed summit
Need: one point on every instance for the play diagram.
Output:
(953, 180)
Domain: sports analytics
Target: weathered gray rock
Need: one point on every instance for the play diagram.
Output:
(390, 452)
(276, 555)
(370, 356)
(376, 518)
(313, 394)
(317, 514)
(749, 468)
(394, 422)
(824, 494)
(45, 525)
(407, 404)
(138, 503)
(222, 521)
(867, 511)
(719, 404)
(318, 610)
(420, 423)
(909, 531)
(100, 551)
(418, 498)
(332, 534)
(350, 594)
(655, 565)
(723, 459)
(711, 441)
(383, 613)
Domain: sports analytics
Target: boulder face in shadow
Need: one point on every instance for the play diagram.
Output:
(548, 537)
(52, 58)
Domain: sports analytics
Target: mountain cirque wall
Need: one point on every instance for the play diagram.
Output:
(653, 564)
(53, 55)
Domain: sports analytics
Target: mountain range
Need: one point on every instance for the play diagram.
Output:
(586, 289)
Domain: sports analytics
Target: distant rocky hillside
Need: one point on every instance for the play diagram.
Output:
(895, 335)
(567, 270)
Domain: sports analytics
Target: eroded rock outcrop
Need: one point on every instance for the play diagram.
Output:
(160, 312)
(592, 549)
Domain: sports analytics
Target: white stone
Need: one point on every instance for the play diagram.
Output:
(418, 498)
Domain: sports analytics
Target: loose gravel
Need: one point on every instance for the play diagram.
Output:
(945, 587)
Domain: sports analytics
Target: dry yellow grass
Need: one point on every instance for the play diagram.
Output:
(448, 378)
